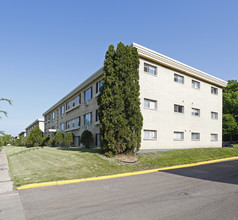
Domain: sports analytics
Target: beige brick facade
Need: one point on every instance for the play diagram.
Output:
(166, 86)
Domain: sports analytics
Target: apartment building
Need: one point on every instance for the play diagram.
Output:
(181, 106)
(22, 134)
(38, 122)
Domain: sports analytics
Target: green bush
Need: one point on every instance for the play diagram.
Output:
(68, 139)
(35, 137)
(87, 138)
(59, 138)
(45, 141)
(51, 142)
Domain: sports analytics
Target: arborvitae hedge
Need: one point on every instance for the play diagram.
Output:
(119, 103)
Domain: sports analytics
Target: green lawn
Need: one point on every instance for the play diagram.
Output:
(32, 165)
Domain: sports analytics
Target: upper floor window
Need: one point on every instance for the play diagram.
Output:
(195, 84)
(79, 99)
(62, 126)
(178, 136)
(195, 136)
(178, 78)
(99, 86)
(49, 117)
(73, 102)
(151, 104)
(87, 95)
(150, 134)
(53, 115)
(88, 119)
(73, 123)
(195, 112)
(214, 115)
(96, 116)
(67, 105)
(179, 108)
(150, 69)
(214, 90)
(67, 124)
(62, 110)
(214, 137)
(78, 119)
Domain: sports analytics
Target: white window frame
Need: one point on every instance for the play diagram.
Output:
(196, 112)
(195, 134)
(88, 95)
(214, 114)
(87, 121)
(62, 110)
(149, 103)
(178, 78)
(214, 135)
(194, 83)
(152, 70)
(177, 107)
(53, 115)
(150, 134)
(99, 86)
(176, 136)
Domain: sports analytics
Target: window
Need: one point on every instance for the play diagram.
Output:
(195, 84)
(214, 137)
(96, 116)
(73, 102)
(78, 121)
(150, 134)
(178, 108)
(214, 90)
(178, 78)
(150, 69)
(151, 104)
(67, 124)
(195, 112)
(178, 136)
(49, 117)
(62, 126)
(214, 115)
(195, 136)
(73, 122)
(88, 119)
(87, 95)
(67, 105)
(53, 115)
(62, 110)
(99, 86)
(79, 99)
(98, 140)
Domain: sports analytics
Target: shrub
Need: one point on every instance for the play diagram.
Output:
(68, 139)
(87, 138)
(59, 138)
(23, 141)
(45, 141)
(35, 137)
(51, 142)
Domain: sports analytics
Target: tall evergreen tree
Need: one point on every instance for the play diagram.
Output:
(119, 104)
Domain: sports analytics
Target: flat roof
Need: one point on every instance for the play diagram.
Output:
(155, 57)
(37, 120)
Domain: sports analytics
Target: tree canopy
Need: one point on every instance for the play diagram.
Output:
(7, 100)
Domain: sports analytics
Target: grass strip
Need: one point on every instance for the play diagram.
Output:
(34, 165)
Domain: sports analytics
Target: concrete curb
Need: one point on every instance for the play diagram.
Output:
(63, 182)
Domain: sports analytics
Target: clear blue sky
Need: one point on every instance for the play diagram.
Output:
(47, 48)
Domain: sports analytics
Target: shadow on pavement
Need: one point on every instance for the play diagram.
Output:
(225, 172)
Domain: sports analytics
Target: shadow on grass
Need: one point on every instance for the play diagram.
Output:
(82, 150)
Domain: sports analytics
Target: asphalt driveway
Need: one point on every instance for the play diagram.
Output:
(202, 192)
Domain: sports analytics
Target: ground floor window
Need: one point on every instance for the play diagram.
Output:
(214, 137)
(150, 134)
(178, 136)
(195, 136)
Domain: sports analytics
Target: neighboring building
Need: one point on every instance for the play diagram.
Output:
(181, 106)
(37, 122)
(22, 134)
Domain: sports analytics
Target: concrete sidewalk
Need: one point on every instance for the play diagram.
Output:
(10, 203)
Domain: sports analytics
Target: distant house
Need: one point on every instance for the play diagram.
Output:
(181, 106)
(37, 122)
